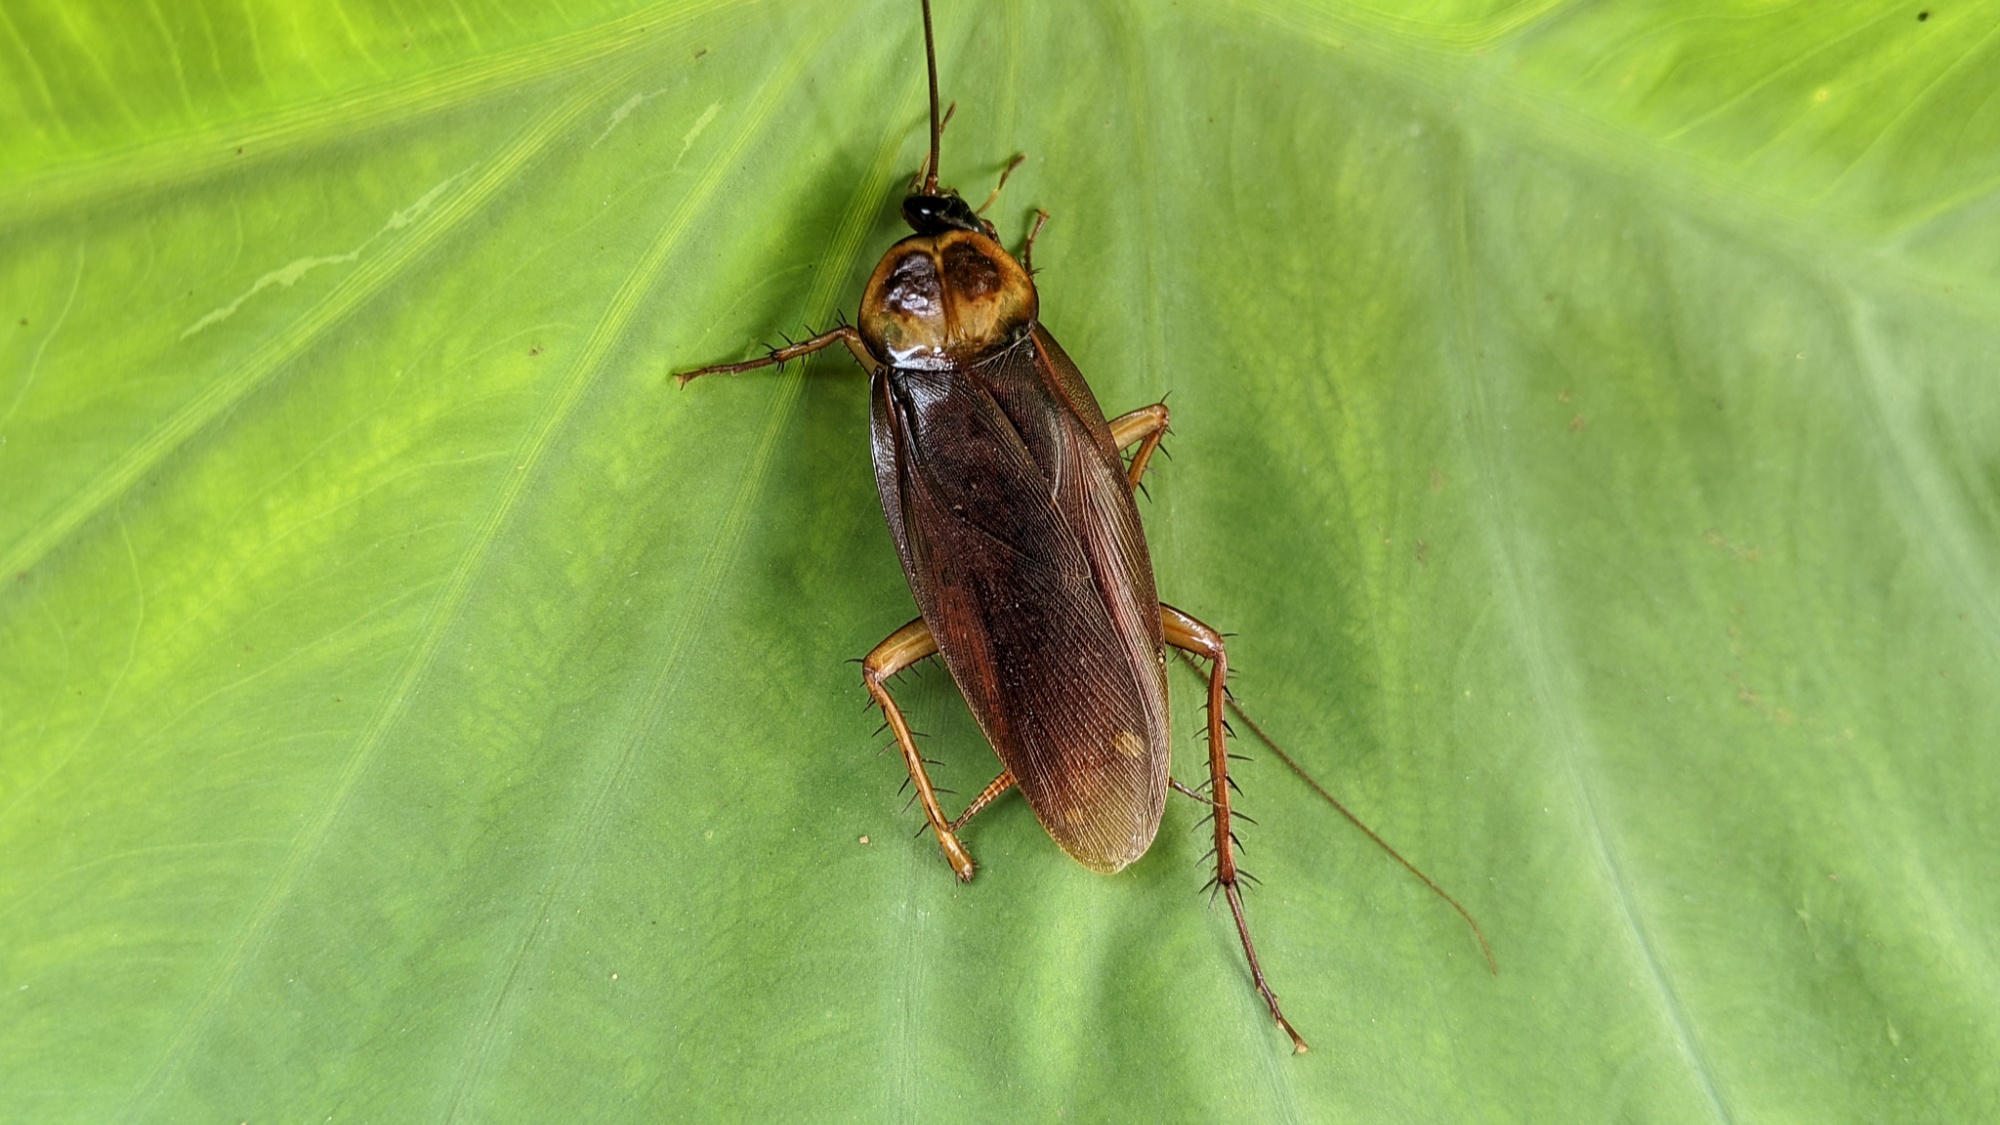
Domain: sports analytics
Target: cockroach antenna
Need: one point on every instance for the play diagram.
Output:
(937, 126)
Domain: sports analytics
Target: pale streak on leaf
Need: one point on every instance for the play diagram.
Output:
(687, 142)
(249, 937)
(288, 275)
(624, 110)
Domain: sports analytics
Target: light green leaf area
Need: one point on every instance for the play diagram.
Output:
(415, 708)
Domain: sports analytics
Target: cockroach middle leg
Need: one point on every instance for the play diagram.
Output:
(1146, 426)
(902, 648)
(1189, 635)
(845, 334)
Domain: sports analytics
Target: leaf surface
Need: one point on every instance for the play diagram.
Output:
(413, 707)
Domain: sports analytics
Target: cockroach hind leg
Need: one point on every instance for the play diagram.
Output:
(1299, 1045)
(1257, 732)
(1191, 636)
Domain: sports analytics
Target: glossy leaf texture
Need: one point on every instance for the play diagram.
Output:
(413, 707)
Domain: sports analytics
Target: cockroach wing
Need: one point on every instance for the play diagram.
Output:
(1009, 508)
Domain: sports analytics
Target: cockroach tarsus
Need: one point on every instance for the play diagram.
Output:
(1011, 506)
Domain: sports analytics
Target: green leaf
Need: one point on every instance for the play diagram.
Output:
(414, 708)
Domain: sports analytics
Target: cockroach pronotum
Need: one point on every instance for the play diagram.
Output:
(1012, 511)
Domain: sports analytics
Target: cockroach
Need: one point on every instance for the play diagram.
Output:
(1012, 512)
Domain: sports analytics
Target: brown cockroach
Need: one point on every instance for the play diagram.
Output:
(1012, 512)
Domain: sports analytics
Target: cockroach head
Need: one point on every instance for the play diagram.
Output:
(936, 214)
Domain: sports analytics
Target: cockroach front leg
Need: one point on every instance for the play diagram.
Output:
(902, 648)
(1187, 634)
(841, 335)
(1028, 247)
(1019, 158)
(1146, 426)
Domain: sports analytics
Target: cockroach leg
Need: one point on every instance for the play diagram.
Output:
(1189, 635)
(1004, 173)
(902, 648)
(1146, 426)
(1028, 247)
(986, 796)
(845, 334)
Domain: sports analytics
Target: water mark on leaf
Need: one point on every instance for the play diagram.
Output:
(700, 123)
(288, 275)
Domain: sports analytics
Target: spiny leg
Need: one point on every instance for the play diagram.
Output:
(1291, 763)
(902, 648)
(1146, 426)
(986, 797)
(1186, 633)
(844, 334)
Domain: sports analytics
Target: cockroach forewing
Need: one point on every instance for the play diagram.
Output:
(1017, 531)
